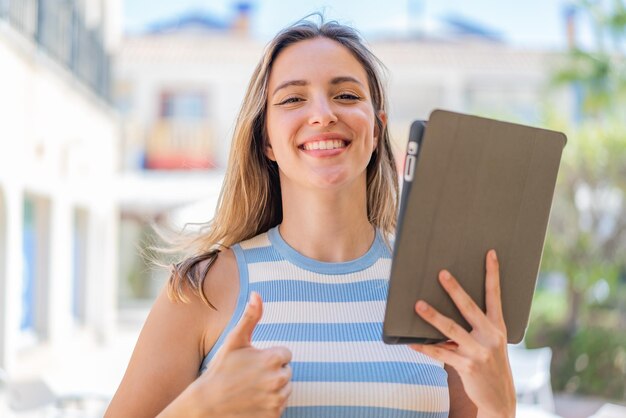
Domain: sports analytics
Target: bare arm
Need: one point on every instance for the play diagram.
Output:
(173, 342)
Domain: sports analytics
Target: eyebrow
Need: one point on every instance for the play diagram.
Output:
(336, 80)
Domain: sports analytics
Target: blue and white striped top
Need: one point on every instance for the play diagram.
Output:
(330, 316)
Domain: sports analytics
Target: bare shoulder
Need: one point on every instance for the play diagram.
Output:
(203, 322)
(174, 340)
(221, 278)
(221, 286)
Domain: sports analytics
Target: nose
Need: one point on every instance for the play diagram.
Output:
(322, 113)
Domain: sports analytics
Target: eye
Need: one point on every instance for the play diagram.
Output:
(291, 100)
(348, 96)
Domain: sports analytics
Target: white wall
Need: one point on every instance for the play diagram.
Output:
(59, 144)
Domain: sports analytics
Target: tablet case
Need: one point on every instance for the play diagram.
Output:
(410, 163)
(478, 184)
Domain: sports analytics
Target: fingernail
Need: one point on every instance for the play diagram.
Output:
(494, 257)
(253, 300)
(422, 306)
(445, 275)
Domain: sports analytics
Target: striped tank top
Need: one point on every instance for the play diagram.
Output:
(330, 316)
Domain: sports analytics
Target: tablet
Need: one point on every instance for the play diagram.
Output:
(475, 184)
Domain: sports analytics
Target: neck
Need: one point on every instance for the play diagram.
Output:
(330, 226)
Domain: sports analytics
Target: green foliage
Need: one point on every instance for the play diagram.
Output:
(600, 73)
(587, 242)
(548, 308)
(586, 238)
(587, 232)
(593, 362)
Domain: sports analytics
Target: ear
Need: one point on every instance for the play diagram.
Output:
(269, 152)
(382, 116)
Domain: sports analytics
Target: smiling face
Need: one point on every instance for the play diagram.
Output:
(320, 119)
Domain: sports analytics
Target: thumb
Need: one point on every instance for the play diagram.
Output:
(241, 334)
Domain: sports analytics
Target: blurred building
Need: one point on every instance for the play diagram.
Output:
(179, 86)
(58, 161)
(470, 75)
(180, 83)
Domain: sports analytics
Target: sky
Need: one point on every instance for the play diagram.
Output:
(524, 23)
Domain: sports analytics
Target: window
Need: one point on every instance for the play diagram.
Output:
(185, 105)
(35, 274)
(29, 273)
(79, 265)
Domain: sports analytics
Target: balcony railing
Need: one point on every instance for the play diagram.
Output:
(58, 27)
(180, 145)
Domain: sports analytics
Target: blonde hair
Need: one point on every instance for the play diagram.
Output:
(250, 200)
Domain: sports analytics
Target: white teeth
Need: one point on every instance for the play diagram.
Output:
(334, 144)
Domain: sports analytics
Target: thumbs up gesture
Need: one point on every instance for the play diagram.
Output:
(245, 381)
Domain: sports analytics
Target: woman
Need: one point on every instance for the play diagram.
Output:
(304, 219)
